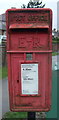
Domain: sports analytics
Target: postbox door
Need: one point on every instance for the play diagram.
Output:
(22, 101)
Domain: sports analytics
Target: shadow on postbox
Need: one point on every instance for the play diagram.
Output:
(29, 53)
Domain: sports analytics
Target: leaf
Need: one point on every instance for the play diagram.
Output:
(33, 4)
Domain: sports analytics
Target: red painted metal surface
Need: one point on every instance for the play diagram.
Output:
(29, 31)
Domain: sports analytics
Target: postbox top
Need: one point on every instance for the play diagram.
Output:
(29, 9)
(29, 18)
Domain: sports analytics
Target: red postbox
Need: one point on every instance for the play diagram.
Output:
(29, 53)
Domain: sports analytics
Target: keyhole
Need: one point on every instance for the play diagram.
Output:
(17, 81)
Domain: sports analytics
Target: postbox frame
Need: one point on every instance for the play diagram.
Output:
(12, 52)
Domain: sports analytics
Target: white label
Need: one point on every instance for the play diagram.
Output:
(29, 78)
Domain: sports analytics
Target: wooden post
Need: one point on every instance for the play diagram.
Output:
(31, 115)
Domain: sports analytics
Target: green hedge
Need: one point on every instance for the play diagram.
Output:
(55, 40)
(15, 115)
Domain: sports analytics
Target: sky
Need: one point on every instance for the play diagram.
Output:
(52, 4)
